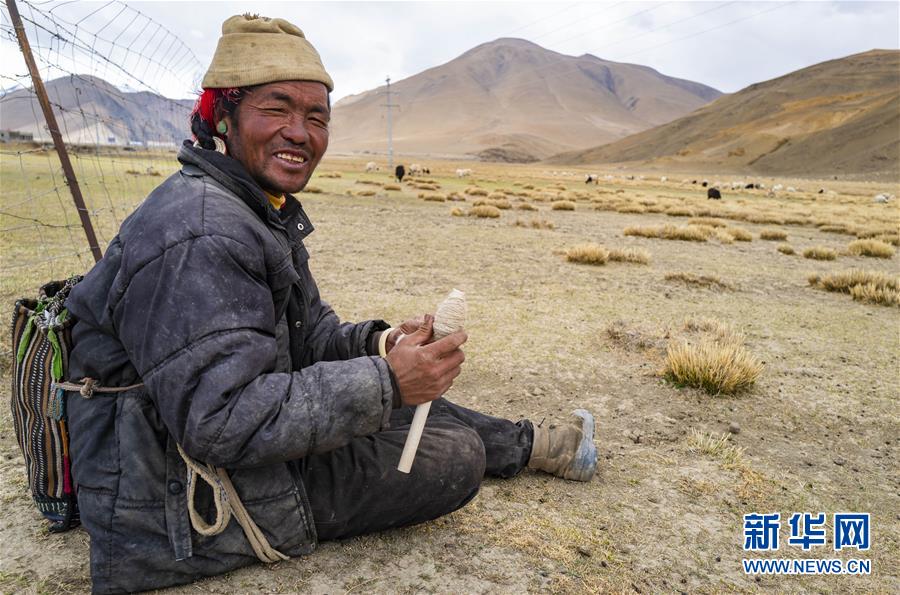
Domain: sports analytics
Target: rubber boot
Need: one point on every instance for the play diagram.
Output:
(566, 449)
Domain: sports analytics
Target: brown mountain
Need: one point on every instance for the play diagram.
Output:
(837, 117)
(512, 98)
(90, 110)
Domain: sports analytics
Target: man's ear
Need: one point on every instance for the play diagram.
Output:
(221, 115)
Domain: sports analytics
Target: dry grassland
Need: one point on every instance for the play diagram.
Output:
(815, 428)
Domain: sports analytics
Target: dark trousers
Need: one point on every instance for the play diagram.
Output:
(357, 489)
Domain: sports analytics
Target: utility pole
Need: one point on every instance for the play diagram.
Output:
(53, 127)
(390, 125)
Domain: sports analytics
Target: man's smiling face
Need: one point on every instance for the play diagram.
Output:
(280, 133)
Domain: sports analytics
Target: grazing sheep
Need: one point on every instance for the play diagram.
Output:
(713, 193)
(414, 169)
(791, 189)
(463, 173)
(592, 179)
(371, 166)
(704, 183)
(883, 198)
(777, 187)
(663, 179)
(750, 186)
(399, 172)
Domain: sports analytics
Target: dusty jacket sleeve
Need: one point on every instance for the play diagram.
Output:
(198, 323)
(329, 338)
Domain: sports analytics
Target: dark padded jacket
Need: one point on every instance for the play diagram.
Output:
(206, 297)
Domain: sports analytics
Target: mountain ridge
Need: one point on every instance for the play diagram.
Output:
(836, 117)
(513, 94)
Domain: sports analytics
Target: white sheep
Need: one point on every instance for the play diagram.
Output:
(883, 198)
(463, 173)
(777, 187)
(791, 189)
(415, 168)
(371, 166)
(663, 179)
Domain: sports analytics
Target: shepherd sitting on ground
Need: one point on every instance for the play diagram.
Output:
(246, 380)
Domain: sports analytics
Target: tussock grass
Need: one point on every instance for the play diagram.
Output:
(691, 233)
(485, 211)
(370, 182)
(456, 196)
(476, 191)
(634, 255)
(497, 196)
(870, 293)
(312, 189)
(873, 232)
(500, 203)
(723, 236)
(709, 281)
(717, 447)
(773, 234)
(329, 174)
(588, 254)
(786, 249)
(631, 209)
(525, 206)
(394, 187)
(739, 233)
(535, 223)
(365, 193)
(437, 197)
(563, 205)
(717, 367)
(457, 212)
(642, 232)
(819, 253)
(835, 228)
(893, 239)
(712, 326)
(843, 281)
(680, 212)
(708, 221)
(868, 287)
(528, 187)
(873, 248)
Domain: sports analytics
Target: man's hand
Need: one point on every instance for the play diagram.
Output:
(407, 328)
(424, 371)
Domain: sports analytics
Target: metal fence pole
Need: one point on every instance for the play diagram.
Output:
(50, 118)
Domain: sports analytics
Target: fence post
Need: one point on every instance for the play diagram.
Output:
(50, 118)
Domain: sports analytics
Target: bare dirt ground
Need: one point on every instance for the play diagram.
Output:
(819, 430)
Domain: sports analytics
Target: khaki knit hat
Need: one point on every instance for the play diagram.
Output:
(254, 50)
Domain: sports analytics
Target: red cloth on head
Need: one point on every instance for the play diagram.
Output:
(206, 104)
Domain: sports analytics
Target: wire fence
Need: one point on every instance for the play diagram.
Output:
(108, 69)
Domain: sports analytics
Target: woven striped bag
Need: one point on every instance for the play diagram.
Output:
(42, 340)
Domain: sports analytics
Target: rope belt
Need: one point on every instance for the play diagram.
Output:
(226, 500)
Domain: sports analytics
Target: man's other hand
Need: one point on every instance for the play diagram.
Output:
(425, 371)
(407, 328)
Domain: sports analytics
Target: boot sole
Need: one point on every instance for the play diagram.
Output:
(584, 464)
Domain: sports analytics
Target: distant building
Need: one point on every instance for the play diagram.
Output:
(14, 136)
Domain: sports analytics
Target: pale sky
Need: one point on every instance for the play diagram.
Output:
(727, 45)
